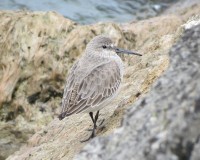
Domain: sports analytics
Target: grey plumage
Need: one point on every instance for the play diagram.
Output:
(94, 79)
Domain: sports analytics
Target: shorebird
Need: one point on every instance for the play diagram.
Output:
(93, 80)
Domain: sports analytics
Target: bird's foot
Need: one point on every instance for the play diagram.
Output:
(94, 120)
(91, 136)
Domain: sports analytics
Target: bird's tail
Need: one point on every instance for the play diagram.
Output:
(62, 116)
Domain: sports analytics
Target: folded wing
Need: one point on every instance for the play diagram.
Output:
(97, 86)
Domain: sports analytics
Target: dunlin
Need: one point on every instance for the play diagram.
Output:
(93, 80)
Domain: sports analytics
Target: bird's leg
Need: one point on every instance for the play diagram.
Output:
(91, 116)
(100, 126)
(94, 120)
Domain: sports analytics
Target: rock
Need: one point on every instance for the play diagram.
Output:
(164, 124)
(30, 75)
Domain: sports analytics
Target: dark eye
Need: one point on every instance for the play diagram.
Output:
(104, 46)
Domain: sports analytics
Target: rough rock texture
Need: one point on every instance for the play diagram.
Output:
(38, 48)
(164, 125)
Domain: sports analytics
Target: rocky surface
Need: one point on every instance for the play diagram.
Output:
(38, 48)
(164, 125)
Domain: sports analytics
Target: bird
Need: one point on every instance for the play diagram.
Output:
(93, 80)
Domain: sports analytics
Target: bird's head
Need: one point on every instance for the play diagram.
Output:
(102, 44)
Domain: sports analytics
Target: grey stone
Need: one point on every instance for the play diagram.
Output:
(165, 124)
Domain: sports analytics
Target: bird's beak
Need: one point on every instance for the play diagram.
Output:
(120, 50)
